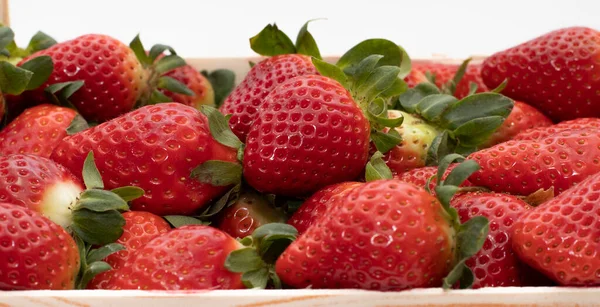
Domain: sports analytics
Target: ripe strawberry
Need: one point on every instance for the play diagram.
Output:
(155, 148)
(113, 78)
(543, 132)
(521, 118)
(250, 211)
(36, 253)
(38, 130)
(187, 258)
(560, 238)
(558, 161)
(420, 176)
(140, 227)
(557, 72)
(195, 81)
(443, 74)
(315, 206)
(247, 98)
(496, 264)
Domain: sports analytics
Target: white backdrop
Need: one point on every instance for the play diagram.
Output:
(221, 28)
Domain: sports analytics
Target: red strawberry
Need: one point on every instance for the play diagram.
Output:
(195, 81)
(2, 107)
(246, 99)
(250, 211)
(543, 132)
(37, 131)
(521, 118)
(561, 237)
(309, 133)
(557, 72)
(315, 206)
(113, 77)
(155, 148)
(36, 253)
(496, 264)
(140, 227)
(420, 176)
(558, 161)
(444, 73)
(186, 258)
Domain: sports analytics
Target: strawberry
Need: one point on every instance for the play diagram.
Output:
(39, 129)
(315, 206)
(521, 118)
(36, 253)
(186, 258)
(558, 161)
(560, 238)
(420, 176)
(543, 132)
(250, 211)
(140, 227)
(202, 90)
(443, 74)
(155, 148)
(557, 72)
(496, 264)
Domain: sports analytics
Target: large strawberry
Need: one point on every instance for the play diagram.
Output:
(443, 74)
(543, 132)
(557, 162)
(155, 148)
(557, 72)
(36, 253)
(522, 117)
(39, 129)
(423, 175)
(560, 238)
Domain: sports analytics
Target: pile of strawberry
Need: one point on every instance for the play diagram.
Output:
(125, 168)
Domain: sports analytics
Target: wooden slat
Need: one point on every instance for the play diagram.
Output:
(4, 13)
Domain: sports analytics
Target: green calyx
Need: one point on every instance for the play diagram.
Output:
(91, 261)
(256, 261)
(271, 41)
(222, 82)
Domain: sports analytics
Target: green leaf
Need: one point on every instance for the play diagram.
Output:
(128, 193)
(445, 193)
(6, 37)
(225, 201)
(306, 44)
(223, 82)
(458, 76)
(380, 117)
(411, 98)
(218, 173)
(92, 270)
(376, 168)
(272, 41)
(477, 106)
(330, 71)
(456, 274)
(219, 128)
(461, 173)
(40, 41)
(169, 63)
(257, 279)
(432, 107)
(377, 82)
(405, 64)
(159, 97)
(243, 260)
(441, 146)
(472, 235)
(13, 79)
(91, 176)
(180, 220)
(478, 130)
(98, 228)
(173, 85)
(59, 93)
(445, 163)
(272, 239)
(472, 88)
(361, 70)
(500, 87)
(271, 229)
(100, 201)
(41, 67)
(384, 142)
(102, 252)
(392, 53)
(158, 49)
(140, 52)
(78, 124)
(396, 89)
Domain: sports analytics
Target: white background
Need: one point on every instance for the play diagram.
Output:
(221, 28)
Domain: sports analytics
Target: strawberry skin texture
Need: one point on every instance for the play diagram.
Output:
(249, 212)
(523, 167)
(561, 237)
(384, 235)
(155, 148)
(420, 176)
(521, 118)
(114, 79)
(309, 133)
(140, 227)
(445, 73)
(36, 131)
(315, 206)
(245, 100)
(496, 264)
(187, 258)
(557, 73)
(195, 81)
(543, 132)
(36, 253)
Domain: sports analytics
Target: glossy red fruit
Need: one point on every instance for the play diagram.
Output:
(113, 77)
(560, 238)
(245, 100)
(384, 235)
(249, 212)
(521, 118)
(316, 206)
(36, 131)
(36, 253)
(186, 258)
(496, 264)
(309, 133)
(543, 132)
(444, 73)
(155, 148)
(558, 161)
(140, 227)
(420, 176)
(557, 72)
(195, 81)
